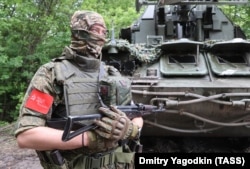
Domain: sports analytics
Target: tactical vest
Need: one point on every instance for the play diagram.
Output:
(81, 88)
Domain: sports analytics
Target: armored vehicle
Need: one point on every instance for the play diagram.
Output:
(190, 60)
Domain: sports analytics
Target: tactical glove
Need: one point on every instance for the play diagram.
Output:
(99, 144)
(115, 125)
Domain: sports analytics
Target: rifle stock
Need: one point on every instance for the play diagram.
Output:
(132, 111)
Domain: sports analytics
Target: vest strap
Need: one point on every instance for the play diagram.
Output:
(84, 80)
(80, 90)
(77, 101)
(95, 162)
(88, 111)
(123, 157)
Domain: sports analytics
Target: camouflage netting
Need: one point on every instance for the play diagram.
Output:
(147, 54)
(139, 51)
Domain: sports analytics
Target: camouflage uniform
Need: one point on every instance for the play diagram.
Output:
(48, 81)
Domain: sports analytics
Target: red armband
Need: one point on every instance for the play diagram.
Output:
(39, 101)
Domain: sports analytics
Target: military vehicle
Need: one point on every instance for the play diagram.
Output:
(189, 59)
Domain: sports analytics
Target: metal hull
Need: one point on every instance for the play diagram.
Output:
(197, 107)
(189, 59)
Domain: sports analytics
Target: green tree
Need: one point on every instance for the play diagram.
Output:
(33, 32)
(27, 33)
(240, 15)
(121, 13)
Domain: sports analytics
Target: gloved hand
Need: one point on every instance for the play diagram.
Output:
(116, 125)
(97, 143)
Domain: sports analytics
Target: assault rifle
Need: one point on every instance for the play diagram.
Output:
(72, 124)
(132, 111)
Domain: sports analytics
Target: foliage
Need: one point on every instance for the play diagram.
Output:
(240, 15)
(120, 12)
(30, 34)
(33, 32)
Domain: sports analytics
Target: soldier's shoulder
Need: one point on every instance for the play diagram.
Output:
(47, 66)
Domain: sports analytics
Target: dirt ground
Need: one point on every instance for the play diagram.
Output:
(13, 157)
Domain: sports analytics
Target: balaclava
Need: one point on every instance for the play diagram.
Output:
(83, 41)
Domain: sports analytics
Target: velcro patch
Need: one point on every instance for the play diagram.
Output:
(39, 101)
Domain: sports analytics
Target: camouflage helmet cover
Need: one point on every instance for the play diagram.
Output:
(83, 20)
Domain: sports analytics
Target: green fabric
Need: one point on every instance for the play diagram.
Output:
(122, 157)
(86, 162)
(80, 87)
(119, 90)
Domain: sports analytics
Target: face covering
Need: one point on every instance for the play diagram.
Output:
(87, 43)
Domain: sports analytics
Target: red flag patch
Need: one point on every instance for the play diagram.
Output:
(39, 101)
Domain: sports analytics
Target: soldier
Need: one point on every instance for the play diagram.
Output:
(70, 85)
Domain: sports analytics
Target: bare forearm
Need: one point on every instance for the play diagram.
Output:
(44, 138)
(138, 121)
